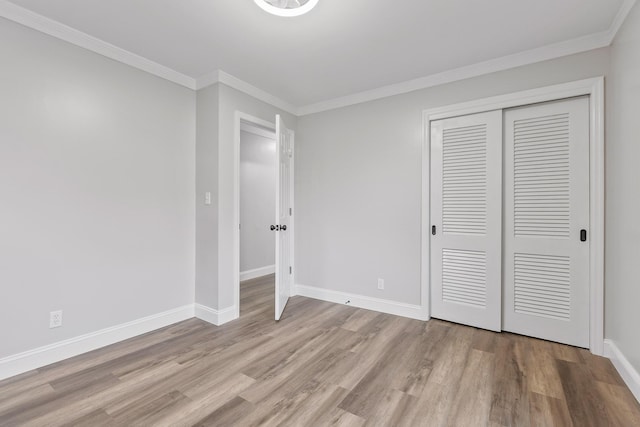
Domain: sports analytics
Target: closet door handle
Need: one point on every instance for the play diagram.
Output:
(283, 228)
(583, 235)
(275, 228)
(433, 230)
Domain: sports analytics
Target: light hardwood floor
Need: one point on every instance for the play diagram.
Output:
(322, 364)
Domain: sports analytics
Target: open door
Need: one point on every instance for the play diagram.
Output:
(284, 211)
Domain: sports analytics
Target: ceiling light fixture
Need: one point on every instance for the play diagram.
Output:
(287, 8)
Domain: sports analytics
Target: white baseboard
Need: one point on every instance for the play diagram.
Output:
(42, 356)
(216, 317)
(626, 370)
(257, 272)
(376, 304)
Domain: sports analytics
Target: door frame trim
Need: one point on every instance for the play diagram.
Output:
(239, 118)
(594, 88)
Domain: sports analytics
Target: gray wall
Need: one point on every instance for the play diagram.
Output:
(257, 201)
(97, 181)
(206, 291)
(97, 165)
(358, 180)
(622, 251)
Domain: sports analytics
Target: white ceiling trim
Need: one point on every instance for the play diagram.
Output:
(63, 32)
(220, 76)
(545, 53)
(620, 18)
(553, 51)
(58, 30)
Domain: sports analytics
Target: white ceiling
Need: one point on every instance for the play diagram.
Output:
(340, 48)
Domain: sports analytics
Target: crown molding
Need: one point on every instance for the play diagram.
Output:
(227, 79)
(58, 30)
(545, 53)
(553, 51)
(208, 80)
(63, 32)
(621, 16)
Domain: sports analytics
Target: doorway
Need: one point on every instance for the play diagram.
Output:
(257, 206)
(282, 228)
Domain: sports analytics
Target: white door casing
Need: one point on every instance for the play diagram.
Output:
(546, 265)
(284, 207)
(466, 219)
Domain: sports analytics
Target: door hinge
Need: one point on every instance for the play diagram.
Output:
(290, 270)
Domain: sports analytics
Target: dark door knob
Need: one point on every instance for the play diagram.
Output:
(275, 227)
(283, 228)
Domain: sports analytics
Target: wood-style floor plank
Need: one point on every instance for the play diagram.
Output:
(322, 364)
(548, 411)
(510, 405)
(586, 406)
(472, 403)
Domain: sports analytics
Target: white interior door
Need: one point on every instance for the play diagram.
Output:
(546, 255)
(466, 207)
(284, 210)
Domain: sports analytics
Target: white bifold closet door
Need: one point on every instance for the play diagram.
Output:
(466, 205)
(546, 253)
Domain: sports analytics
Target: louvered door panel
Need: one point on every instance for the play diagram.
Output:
(542, 285)
(466, 163)
(546, 281)
(541, 176)
(464, 180)
(464, 277)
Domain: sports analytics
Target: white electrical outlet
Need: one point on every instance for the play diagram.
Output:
(55, 319)
(381, 284)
